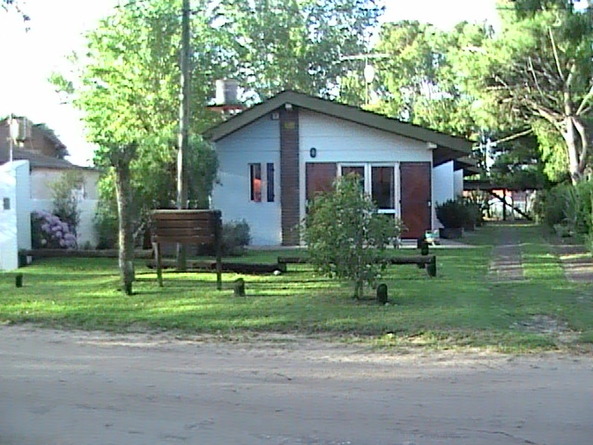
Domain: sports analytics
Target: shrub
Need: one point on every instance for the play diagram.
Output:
(453, 213)
(473, 213)
(235, 237)
(106, 225)
(48, 231)
(345, 235)
(66, 198)
(567, 205)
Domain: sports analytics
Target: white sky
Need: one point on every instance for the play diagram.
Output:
(28, 58)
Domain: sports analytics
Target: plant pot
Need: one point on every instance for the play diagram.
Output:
(451, 232)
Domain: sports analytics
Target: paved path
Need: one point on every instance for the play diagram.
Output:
(576, 261)
(77, 388)
(506, 263)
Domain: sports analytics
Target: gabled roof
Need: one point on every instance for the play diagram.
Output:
(447, 147)
(36, 160)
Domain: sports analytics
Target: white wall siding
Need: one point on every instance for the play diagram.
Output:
(458, 182)
(443, 184)
(442, 188)
(256, 143)
(42, 199)
(14, 222)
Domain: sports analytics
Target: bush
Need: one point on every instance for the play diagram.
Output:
(235, 237)
(453, 214)
(473, 213)
(567, 205)
(106, 225)
(66, 197)
(345, 235)
(48, 231)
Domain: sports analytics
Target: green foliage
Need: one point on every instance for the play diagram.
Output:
(567, 208)
(537, 73)
(293, 44)
(453, 213)
(66, 197)
(456, 309)
(420, 80)
(235, 237)
(345, 235)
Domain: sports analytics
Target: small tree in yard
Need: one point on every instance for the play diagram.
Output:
(346, 236)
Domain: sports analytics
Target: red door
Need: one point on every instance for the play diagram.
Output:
(320, 177)
(415, 186)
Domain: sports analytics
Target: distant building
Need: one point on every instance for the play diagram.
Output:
(38, 158)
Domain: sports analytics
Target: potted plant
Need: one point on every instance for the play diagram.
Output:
(452, 214)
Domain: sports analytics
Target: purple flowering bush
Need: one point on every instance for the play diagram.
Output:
(48, 231)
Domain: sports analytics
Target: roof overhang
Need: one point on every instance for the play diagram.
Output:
(447, 147)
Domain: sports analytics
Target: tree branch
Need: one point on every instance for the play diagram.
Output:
(555, 51)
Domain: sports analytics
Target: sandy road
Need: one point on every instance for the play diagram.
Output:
(63, 388)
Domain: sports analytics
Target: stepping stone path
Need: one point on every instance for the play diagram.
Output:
(506, 263)
(578, 268)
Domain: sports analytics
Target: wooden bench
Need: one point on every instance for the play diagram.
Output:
(428, 262)
(187, 227)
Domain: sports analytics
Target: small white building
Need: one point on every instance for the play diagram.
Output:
(275, 156)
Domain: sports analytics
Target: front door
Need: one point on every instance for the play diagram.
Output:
(415, 186)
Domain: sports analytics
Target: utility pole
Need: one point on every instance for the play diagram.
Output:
(183, 139)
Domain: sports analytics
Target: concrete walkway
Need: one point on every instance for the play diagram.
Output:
(506, 265)
(576, 261)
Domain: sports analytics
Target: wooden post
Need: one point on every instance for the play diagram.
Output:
(432, 267)
(158, 262)
(218, 246)
(239, 287)
(382, 296)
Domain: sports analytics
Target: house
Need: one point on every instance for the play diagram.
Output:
(275, 156)
(31, 159)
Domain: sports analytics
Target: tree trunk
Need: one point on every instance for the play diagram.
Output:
(358, 288)
(126, 239)
(573, 146)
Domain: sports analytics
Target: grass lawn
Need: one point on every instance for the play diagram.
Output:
(458, 308)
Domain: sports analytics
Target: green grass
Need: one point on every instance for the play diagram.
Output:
(459, 308)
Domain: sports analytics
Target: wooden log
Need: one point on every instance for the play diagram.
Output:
(75, 253)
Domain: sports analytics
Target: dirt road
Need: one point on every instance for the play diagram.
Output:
(63, 388)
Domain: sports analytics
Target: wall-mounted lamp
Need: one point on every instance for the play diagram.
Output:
(288, 107)
(313, 152)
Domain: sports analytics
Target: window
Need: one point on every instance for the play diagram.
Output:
(377, 180)
(356, 170)
(255, 182)
(270, 181)
(383, 187)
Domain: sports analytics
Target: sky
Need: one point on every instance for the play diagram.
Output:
(55, 31)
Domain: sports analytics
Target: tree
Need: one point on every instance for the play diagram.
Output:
(538, 73)
(418, 79)
(127, 88)
(345, 235)
(295, 44)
